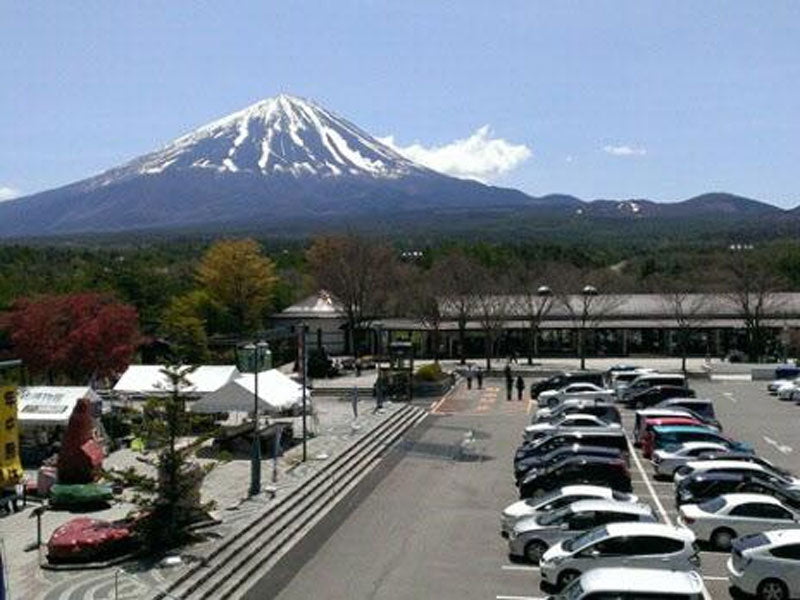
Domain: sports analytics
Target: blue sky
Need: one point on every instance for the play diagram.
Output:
(598, 99)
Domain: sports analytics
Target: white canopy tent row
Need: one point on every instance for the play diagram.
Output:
(143, 381)
(277, 393)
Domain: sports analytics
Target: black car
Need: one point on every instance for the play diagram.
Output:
(604, 410)
(556, 382)
(522, 467)
(592, 470)
(705, 486)
(609, 438)
(658, 393)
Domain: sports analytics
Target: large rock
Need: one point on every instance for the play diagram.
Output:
(88, 540)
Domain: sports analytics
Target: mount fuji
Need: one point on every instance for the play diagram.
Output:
(283, 159)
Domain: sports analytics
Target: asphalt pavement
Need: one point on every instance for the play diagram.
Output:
(426, 523)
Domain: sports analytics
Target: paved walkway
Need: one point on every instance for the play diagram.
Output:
(227, 484)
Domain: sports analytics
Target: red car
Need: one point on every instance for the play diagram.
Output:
(647, 437)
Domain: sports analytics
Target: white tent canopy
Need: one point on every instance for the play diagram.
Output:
(276, 392)
(149, 380)
(49, 405)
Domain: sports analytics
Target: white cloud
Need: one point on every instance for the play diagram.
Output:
(478, 157)
(624, 150)
(7, 193)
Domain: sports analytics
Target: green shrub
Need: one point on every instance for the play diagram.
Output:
(431, 372)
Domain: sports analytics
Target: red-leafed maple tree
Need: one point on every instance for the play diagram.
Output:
(79, 336)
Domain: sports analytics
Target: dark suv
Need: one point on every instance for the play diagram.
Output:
(523, 467)
(608, 438)
(593, 470)
(658, 393)
(556, 382)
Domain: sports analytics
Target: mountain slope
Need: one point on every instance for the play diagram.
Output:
(281, 158)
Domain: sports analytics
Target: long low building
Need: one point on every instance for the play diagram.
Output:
(612, 325)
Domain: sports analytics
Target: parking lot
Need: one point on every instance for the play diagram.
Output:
(430, 525)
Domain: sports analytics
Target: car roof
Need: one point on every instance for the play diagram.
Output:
(631, 508)
(668, 412)
(655, 375)
(641, 528)
(585, 489)
(676, 420)
(783, 536)
(718, 476)
(711, 446)
(747, 498)
(683, 429)
(670, 401)
(626, 579)
(726, 464)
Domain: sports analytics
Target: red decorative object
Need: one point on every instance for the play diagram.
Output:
(81, 456)
(84, 540)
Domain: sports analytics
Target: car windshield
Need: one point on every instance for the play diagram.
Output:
(554, 517)
(746, 542)
(620, 495)
(712, 506)
(585, 539)
(542, 500)
(573, 591)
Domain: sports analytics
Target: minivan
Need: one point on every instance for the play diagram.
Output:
(649, 380)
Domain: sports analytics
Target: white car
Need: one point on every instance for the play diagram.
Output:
(724, 518)
(735, 466)
(581, 420)
(582, 390)
(665, 461)
(767, 565)
(531, 537)
(648, 545)
(641, 584)
(556, 500)
(774, 386)
(787, 389)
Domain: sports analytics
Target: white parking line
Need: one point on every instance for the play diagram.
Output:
(649, 485)
(729, 396)
(520, 598)
(779, 447)
(710, 578)
(519, 568)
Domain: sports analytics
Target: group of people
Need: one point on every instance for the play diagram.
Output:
(511, 383)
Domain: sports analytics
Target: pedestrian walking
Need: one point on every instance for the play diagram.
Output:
(509, 381)
(469, 378)
(479, 376)
(520, 387)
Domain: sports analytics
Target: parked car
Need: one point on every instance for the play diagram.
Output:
(783, 374)
(600, 408)
(677, 435)
(640, 416)
(705, 486)
(593, 470)
(557, 499)
(656, 394)
(620, 381)
(722, 519)
(609, 438)
(580, 391)
(556, 382)
(766, 564)
(531, 537)
(625, 583)
(647, 438)
(744, 457)
(647, 545)
(576, 420)
(736, 466)
(667, 460)
(787, 390)
(522, 467)
(704, 407)
(648, 380)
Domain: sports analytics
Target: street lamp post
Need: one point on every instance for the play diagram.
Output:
(545, 296)
(588, 292)
(260, 354)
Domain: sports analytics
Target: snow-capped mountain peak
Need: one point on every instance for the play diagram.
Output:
(279, 136)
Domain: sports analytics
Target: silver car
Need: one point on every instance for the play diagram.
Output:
(574, 420)
(556, 500)
(619, 583)
(665, 461)
(724, 518)
(531, 537)
(767, 565)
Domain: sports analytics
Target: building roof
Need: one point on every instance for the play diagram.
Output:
(317, 306)
(150, 380)
(276, 392)
(50, 405)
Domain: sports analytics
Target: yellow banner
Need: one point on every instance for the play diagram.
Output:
(10, 466)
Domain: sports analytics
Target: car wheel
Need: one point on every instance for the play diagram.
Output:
(566, 578)
(772, 589)
(722, 539)
(535, 550)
